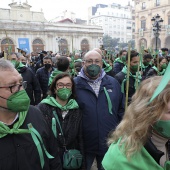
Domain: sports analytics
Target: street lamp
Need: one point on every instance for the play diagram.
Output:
(100, 40)
(156, 22)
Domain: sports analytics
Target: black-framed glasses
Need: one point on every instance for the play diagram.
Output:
(61, 85)
(15, 88)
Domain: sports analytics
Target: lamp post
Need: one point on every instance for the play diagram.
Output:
(100, 41)
(156, 28)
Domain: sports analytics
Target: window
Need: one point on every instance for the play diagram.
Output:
(128, 28)
(143, 5)
(157, 3)
(168, 20)
(143, 24)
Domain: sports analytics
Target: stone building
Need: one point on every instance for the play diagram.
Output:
(145, 10)
(30, 31)
(115, 19)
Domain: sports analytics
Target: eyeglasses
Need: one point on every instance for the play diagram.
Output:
(15, 88)
(68, 86)
(89, 62)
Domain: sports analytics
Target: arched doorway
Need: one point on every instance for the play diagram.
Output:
(37, 45)
(167, 42)
(143, 43)
(84, 45)
(63, 46)
(154, 43)
(7, 45)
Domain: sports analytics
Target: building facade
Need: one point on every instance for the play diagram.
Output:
(30, 31)
(116, 20)
(145, 10)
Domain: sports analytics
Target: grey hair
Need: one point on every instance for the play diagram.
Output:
(6, 65)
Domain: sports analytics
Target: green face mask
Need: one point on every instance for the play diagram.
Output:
(146, 63)
(18, 102)
(162, 127)
(124, 58)
(134, 68)
(163, 53)
(15, 63)
(164, 66)
(93, 70)
(64, 93)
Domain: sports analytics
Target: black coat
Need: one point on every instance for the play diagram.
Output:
(43, 76)
(71, 126)
(153, 151)
(120, 77)
(33, 88)
(145, 72)
(19, 152)
(152, 72)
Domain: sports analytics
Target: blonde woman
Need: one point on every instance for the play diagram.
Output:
(141, 140)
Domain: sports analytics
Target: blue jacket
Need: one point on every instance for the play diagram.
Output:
(43, 77)
(97, 121)
(117, 67)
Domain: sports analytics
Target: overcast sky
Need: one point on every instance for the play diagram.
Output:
(53, 8)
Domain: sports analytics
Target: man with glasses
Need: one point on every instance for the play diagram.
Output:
(26, 142)
(102, 104)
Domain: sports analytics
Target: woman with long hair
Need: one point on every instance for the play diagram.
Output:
(63, 116)
(141, 140)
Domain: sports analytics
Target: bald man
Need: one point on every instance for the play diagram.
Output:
(102, 104)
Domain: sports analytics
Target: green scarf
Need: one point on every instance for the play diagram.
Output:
(144, 67)
(71, 104)
(118, 60)
(5, 130)
(78, 60)
(19, 66)
(158, 72)
(124, 70)
(108, 66)
(53, 75)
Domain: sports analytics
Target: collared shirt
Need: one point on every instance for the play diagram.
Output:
(95, 86)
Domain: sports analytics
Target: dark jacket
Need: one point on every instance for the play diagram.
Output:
(19, 152)
(120, 77)
(145, 71)
(33, 88)
(153, 151)
(117, 67)
(152, 72)
(97, 121)
(39, 64)
(71, 127)
(43, 75)
(110, 73)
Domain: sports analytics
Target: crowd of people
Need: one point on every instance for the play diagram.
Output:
(67, 111)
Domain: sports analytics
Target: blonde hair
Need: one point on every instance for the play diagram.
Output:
(135, 127)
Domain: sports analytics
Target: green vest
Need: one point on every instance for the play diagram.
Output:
(114, 159)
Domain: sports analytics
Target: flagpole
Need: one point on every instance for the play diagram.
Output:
(127, 78)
